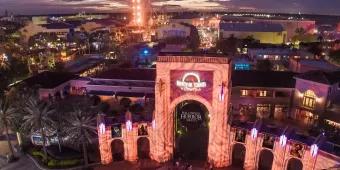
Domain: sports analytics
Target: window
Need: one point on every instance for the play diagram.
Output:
(309, 98)
(244, 93)
(262, 93)
(263, 110)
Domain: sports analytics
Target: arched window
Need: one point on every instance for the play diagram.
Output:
(309, 99)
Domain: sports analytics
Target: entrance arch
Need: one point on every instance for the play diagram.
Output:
(266, 158)
(117, 149)
(238, 155)
(143, 148)
(294, 164)
(191, 130)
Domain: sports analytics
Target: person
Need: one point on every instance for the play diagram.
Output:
(190, 167)
(206, 166)
(211, 167)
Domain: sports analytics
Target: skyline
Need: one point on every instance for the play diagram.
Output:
(35, 7)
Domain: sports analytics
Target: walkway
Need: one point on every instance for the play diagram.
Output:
(151, 165)
(24, 163)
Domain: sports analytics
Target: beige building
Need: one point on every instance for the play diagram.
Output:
(172, 30)
(265, 33)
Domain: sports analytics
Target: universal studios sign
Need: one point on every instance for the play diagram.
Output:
(191, 82)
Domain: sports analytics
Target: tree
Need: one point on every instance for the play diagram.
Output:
(228, 46)
(38, 118)
(81, 127)
(7, 118)
(125, 102)
(315, 49)
(335, 56)
(264, 65)
(302, 36)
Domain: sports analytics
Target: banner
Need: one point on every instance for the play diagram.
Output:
(191, 82)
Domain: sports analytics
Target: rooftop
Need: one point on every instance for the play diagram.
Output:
(251, 27)
(253, 78)
(48, 79)
(320, 64)
(128, 74)
(193, 57)
(322, 77)
(58, 25)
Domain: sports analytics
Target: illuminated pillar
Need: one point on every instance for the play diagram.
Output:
(309, 158)
(130, 143)
(280, 154)
(104, 138)
(162, 131)
(253, 147)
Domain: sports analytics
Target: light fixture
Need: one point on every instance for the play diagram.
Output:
(283, 140)
(254, 133)
(314, 150)
(153, 124)
(102, 128)
(128, 125)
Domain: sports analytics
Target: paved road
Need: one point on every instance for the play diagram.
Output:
(24, 163)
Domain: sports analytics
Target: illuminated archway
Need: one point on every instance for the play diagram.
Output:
(191, 130)
(265, 160)
(117, 149)
(238, 155)
(294, 164)
(143, 147)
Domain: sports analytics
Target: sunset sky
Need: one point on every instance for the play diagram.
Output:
(71, 6)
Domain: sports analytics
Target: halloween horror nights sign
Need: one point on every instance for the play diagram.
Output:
(191, 114)
(191, 82)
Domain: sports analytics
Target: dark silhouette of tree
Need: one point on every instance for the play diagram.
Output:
(335, 56)
(125, 102)
(228, 46)
(81, 128)
(264, 65)
(7, 118)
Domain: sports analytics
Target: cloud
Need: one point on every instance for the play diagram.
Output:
(62, 6)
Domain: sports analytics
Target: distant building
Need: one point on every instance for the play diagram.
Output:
(304, 65)
(289, 25)
(51, 85)
(248, 112)
(172, 30)
(264, 32)
(211, 22)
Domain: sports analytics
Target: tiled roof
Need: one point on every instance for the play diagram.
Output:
(48, 79)
(251, 27)
(128, 74)
(323, 77)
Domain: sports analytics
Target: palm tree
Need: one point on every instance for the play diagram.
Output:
(38, 118)
(7, 117)
(81, 128)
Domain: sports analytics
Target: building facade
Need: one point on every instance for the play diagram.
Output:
(198, 98)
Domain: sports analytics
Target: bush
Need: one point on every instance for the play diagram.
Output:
(62, 163)
(54, 163)
(39, 154)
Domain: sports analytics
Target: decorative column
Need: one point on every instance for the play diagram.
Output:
(130, 143)
(253, 147)
(104, 137)
(161, 133)
(218, 150)
(309, 159)
(280, 154)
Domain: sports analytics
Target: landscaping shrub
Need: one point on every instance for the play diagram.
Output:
(54, 163)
